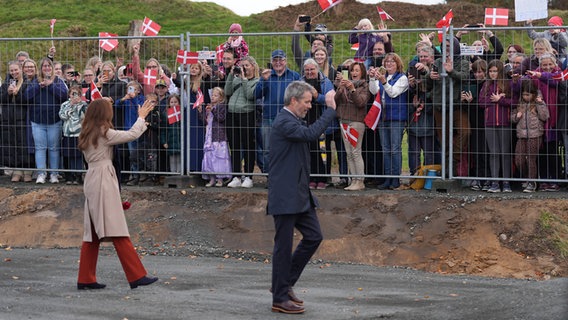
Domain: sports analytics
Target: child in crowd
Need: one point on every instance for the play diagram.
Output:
(128, 105)
(238, 43)
(530, 116)
(495, 99)
(72, 113)
(170, 132)
(215, 149)
(149, 142)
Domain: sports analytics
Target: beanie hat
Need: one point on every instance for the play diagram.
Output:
(235, 27)
(556, 21)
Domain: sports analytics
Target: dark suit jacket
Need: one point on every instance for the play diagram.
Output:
(289, 175)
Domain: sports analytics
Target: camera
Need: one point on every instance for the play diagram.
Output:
(237, 70)
(305, 19)
(377, 61)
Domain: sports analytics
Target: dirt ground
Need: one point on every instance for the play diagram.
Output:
(466, 232)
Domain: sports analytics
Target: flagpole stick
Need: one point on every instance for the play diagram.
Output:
(317, 15)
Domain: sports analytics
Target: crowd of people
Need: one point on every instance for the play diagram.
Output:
(507, 111)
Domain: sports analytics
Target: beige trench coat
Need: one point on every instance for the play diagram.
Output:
(103, 205)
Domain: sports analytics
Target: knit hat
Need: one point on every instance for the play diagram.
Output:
(235, 27)
(555, 21)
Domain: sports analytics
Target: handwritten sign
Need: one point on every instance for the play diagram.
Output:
(530, 10)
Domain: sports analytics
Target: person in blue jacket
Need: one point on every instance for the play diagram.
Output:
(271, 87)
(44, 95)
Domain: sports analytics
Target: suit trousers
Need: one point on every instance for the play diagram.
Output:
(128, 257)
(287, 266)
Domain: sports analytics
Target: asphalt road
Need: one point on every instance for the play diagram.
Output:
(41, 284)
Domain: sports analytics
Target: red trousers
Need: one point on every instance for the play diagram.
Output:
(128, 257)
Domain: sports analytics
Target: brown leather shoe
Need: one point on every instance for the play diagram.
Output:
(294, 298)
(287, 307)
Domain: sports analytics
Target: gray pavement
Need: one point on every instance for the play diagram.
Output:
(41, 284)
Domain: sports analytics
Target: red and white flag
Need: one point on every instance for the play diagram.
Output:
(199, 99)
(326, 4)
(350, 134)
(383, 14)
(150, 28)
(52, 26)
(496, 16)
(187, 57)
(95, 93)
(374, 115)
(108, 41)
(446, 21)
(174, 114)
(355, 46)
(150, 76)
(219, 53)
(561, 76)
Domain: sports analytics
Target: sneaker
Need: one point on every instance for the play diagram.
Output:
(210, 184)
(68, 182)
(530, 187)
(543, 187)
(219, 183)
(313, 185)
(475, 185)
(53, 179)
(486, 186)
(494, 187)
(525, 184)
(41, 178)
(507, 187)
(321, 186)
(236, 183)
(247, 183)
(553, 187)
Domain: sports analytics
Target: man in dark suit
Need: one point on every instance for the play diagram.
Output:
(290, 201)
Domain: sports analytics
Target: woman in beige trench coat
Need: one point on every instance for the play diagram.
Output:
(104, 216)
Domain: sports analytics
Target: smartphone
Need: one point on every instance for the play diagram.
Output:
(269, 65)
(12, 82)
(128, 70)
(131, 89)
(345, 74)
(412, 71)
(305, 19)
(434, 68)
(106, 74)
(473, 26)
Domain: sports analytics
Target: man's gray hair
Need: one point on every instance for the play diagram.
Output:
(296, 89)
(312, 62)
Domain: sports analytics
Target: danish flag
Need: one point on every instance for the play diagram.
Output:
(561, 76)
(383, 14)
(350, 134)
(496, 16)
(374, 114)
(149, 27)
(174, 114)
(150, 76)
(199, 99)
(446, 21)
(186, 57)
(326, 4)
(95, 93)
(108, 43)
(219, 52)
(355, 46)
(52, 25)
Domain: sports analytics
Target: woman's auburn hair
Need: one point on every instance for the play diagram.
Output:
(97, 122)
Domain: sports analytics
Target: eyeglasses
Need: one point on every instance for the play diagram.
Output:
(29, 67)
(511, 51)
(88, 75)
(74, 94)
(152, 67)
(389, 61)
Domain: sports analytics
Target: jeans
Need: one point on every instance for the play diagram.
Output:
(266, 129)
(391, 142)
(47, 139)
(133, 155)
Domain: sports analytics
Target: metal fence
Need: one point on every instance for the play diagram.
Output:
(472, 152)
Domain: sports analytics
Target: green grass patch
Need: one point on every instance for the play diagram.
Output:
(555, 232)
